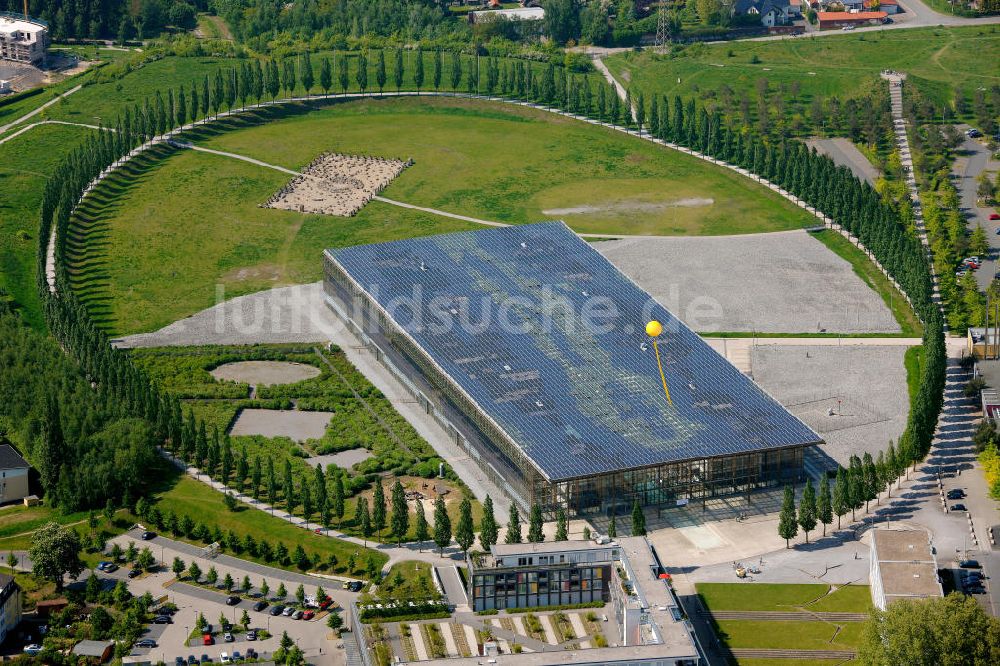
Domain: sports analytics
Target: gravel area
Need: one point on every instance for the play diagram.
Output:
(284, 314)
(264, 373)
(845, 153)
(295, 425)
(865, 386)
(782, 282)
(344, 459)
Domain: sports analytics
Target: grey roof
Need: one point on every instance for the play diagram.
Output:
(11, 459)
(579, 395)
(744, 6)
(505, 549)
(92, 648)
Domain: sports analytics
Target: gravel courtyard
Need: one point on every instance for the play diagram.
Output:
(295, 425)
(783, 282)
(868, 381)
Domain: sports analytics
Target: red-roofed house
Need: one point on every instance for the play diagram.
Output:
(834, 20)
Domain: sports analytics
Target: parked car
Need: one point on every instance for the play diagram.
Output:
(224, 658)
(970, 564)
(995, 216)
(956, 493)
(237, 657)
(276, 610)
(192, 659)
(135, 573)
(308, 615)
(232, 600)
(251, 653)
(355, 586)
(228, 637)
(205, 659)
(323, 605)
(207, 640)
(208, 628)
(251, 636)
(162, 619)
(108, 567)
(147, 535)
(180, 661)
(973, 133)
(887, 21)
(958, 507)
(288, 612)
(847, 27)
(297, 615)
(146, 643)
(32, 649)
(259, 606)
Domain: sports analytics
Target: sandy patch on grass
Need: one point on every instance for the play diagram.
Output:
(296, 426)
(262, 373)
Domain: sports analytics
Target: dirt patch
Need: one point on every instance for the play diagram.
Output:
(268, 272)
(263, 373)
(296, 426)
(630, 206)
(344, 459)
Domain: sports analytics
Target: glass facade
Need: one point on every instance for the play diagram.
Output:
(530, 587)
(504, 462)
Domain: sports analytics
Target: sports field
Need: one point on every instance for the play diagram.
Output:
(161, 237)
(936, 60)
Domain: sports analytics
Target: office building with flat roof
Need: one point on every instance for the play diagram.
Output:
(903, 566)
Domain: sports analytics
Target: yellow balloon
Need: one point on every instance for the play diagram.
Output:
(654, 328)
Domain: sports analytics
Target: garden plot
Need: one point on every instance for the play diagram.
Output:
(265, 373)
(864, 387)
(296, 426)
(782, 282)
(335, 184)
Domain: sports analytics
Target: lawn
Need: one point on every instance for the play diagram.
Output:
(188, 497)
(18, 523)
(913, 361)
(758, 596)
(24, 163)
(870, 274)
(846, 66)
(409, 579)
(845, 599)
(780, 634)
(191, 221)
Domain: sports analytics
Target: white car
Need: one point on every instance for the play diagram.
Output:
(848, 27)
(32, 649)
(225, 658)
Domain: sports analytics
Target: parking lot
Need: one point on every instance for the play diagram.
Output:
(312, 636)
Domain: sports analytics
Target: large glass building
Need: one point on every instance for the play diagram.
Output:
(529, 347)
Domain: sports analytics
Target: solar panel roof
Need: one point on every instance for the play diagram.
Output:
(548, 338)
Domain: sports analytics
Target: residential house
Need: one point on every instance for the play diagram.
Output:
(888, 6)
(771, 12)
(10, 605)
(13, 475)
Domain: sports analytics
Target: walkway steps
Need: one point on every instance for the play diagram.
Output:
(786, 616)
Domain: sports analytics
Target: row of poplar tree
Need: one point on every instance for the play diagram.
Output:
(861, 482)
(812, 177)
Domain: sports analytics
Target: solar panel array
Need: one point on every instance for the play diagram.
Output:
(548, 338)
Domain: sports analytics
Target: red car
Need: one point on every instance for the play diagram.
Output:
(308, 615)
(995, 216)
(323, 605)
(207, 639)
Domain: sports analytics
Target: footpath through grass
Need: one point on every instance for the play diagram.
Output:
(873, 277)
(203, 505)
(174, 227)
